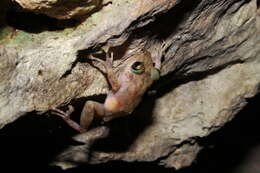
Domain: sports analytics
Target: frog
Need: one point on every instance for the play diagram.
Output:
(126, 89)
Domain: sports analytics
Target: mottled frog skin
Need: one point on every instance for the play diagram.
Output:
(127, 88)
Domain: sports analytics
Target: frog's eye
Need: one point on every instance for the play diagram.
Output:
(137, 67)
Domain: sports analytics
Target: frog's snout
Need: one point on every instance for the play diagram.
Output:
(155, 74)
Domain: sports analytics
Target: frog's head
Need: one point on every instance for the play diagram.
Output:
(139, 70)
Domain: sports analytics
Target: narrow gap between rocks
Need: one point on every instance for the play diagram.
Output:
(36, 23)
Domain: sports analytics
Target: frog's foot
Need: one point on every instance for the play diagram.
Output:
(158, 58)
(66, 117)
(108, 63)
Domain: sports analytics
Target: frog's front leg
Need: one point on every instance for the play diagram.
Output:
(111, 76)
(91, 109)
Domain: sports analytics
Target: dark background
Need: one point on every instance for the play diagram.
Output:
(32, 141)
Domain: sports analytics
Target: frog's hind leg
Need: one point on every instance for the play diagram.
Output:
(91, 109)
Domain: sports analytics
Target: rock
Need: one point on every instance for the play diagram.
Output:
(64, 9)
(211, 66)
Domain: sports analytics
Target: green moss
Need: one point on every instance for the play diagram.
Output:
(22, 37)
(10, 36)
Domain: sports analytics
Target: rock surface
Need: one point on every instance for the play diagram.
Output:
(211, 66)
(64, 9)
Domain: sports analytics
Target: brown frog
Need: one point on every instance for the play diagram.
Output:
(127, 89)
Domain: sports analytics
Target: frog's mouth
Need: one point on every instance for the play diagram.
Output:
(155, 74)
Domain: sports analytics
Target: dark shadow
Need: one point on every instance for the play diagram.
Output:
(36, 23)
(119, 166)
(4, 4)
(32, 22)
(168, 23)
(32, 141)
